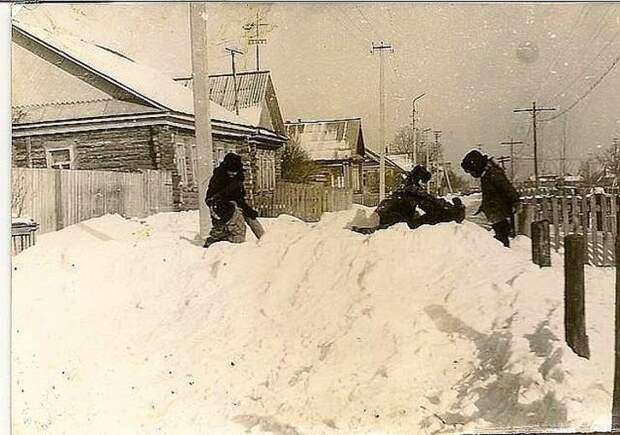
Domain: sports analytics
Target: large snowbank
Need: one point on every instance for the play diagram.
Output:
(128, 327)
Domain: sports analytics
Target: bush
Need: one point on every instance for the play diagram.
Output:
(297, 166)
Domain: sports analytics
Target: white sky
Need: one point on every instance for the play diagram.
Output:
(462, 55)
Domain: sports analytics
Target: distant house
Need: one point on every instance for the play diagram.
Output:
(394, 168)
(256, 96)
(78, 105)
(336, 145)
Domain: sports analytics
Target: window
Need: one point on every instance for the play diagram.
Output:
(181, 163)
(59, 158)
(266, 177)
(194, 162)
(355, 175)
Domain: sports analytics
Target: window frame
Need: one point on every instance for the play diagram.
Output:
(181, 162)
(48, 157)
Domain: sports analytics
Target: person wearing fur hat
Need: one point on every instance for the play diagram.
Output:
(227, 204)
(499, 197)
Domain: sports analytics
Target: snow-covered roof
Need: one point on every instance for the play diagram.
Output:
(388, 159)
(403, 161)
(328, 140)
(137, 79)
(256, 97)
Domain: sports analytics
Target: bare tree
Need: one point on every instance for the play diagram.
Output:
(403, 141)
(609, 162)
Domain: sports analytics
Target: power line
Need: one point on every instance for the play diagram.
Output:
(582, 14)
(594, 85)
(584, 69)
(585, 47)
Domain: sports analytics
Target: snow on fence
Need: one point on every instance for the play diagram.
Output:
(56, 198)
(304, 201)
(594, 215)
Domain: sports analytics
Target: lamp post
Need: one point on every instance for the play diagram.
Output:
(414, 151)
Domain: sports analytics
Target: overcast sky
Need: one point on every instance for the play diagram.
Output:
(465, 57)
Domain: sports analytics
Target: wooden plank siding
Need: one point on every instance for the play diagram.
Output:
(57, 198)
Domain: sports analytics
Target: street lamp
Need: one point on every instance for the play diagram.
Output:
(415, 148)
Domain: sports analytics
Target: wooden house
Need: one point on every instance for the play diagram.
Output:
(79, 105)
(336, 145)
(395, 169)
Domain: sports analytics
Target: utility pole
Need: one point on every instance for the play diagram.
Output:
(202, 117)
(414, 151)
(232, 53)
(563, 157)
(256, 40)
(381, 48)
(428, 158)
(534, 111)
(437, 134)
(512, 143)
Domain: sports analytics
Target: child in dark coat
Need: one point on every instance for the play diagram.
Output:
(403, 204)
(499, 197)
(226, 201)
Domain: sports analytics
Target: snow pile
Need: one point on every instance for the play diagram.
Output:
(127, 327)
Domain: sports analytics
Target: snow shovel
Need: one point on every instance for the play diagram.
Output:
(255, 226)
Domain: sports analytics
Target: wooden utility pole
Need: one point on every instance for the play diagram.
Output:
(202, 116)
(256, 40)
(437, 134)
(381, 48)
(512, 143)
(563, 157)
(615, 410)
(232, 52)
(534, 110)
(414, 151)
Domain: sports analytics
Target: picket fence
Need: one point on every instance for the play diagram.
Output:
(593, 215)
(57, 198)
(304, 201)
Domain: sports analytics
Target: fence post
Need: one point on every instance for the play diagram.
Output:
(574, 295)
(525, 220)
(541, 243)
(60, 224)
(556, 223)
(615, 419)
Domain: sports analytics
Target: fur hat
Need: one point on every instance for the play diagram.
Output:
(474, 162)
(232, 162)
(417, 174)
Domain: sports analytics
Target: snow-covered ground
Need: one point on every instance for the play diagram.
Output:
(128, 327)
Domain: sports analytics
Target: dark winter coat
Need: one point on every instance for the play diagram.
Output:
(402, 207)
(499, 197)
(223, 189)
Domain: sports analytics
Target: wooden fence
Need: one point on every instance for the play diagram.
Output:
(594, 216)
(57, 198)
(307, 202)
(369, 199)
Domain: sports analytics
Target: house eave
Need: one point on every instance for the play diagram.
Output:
(173, 119)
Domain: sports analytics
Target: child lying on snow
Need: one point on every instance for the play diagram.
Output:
(402, 205)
